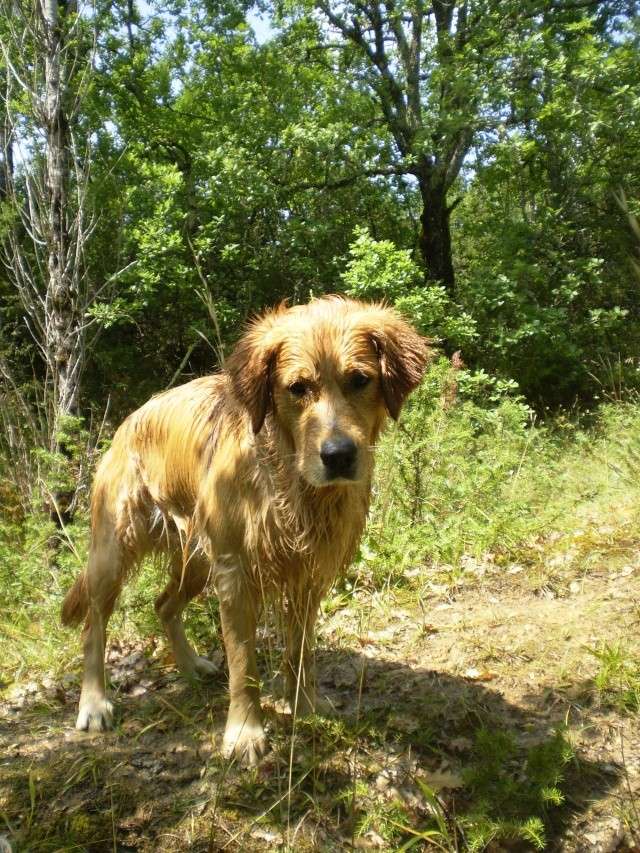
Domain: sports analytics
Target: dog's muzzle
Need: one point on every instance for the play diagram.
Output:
(339, 457)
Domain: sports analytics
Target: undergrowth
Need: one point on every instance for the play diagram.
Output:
(483, 481)
(617, 679)
(469, 481)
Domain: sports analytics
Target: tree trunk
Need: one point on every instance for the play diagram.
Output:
(6, 156)
(43, 250)
(63, 339)
(62, 324)
(435, 233)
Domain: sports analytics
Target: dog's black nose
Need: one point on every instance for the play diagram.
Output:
(339, 456)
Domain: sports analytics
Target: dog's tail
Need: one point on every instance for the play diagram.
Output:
(76, 602)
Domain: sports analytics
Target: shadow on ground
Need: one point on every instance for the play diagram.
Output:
(158, 783)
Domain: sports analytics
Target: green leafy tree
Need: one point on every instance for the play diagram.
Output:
(441, 76)
(544, 249)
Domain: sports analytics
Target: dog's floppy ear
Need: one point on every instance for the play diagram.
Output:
(251, 366)
(403, 355)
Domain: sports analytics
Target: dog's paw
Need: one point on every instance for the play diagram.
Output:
(95, 715)
(245, 742)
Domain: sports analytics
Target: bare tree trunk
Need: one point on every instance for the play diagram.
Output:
(6, 154)
(48, 50)
(62, 322)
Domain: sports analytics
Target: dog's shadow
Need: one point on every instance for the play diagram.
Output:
(507, 757)
(161, 768)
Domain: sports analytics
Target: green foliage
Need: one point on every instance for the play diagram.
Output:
(451, 479)
(37, 566)
(508, 795)
(377, 270)
(440, 832)
(60, 470)
(250, 166)
(544, 252)
(469, 480)
(617, 680)
(512, 793)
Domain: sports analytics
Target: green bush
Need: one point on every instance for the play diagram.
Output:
(377, 270)
(450, 477)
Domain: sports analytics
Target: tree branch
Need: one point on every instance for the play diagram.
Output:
(389, 171)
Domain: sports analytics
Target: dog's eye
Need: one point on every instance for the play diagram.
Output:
(359, 380)
(298, 389)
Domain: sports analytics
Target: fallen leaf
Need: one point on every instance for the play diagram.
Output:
(440, 779)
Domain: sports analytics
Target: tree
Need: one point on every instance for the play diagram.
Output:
(441, 74)
(47, 59)
(544, 250)
(47, 54)
(211, 142)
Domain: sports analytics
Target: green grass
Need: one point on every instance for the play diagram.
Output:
(460, 492)
(470, 485)
(617, 680)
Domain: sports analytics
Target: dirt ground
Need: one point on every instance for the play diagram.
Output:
(411, 676)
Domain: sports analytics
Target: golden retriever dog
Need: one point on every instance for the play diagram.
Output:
(257, 478)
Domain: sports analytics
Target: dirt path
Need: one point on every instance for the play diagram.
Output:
(412, 687)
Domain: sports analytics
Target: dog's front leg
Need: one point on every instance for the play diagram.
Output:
(244, 736)
(302, 613)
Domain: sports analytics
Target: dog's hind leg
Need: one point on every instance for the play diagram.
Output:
(185, 584)
(105, 572)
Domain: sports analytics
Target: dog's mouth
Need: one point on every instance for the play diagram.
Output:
(320, 479)
(336, 480)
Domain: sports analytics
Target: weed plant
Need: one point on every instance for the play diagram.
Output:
(617, 679)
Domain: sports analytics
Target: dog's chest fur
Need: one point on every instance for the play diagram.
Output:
(292, 533)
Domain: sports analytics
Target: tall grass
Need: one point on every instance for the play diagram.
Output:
(472, 480)
(468, 479)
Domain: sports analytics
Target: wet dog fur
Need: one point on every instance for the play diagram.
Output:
(256, 479)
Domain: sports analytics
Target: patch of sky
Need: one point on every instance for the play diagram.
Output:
(261, 23)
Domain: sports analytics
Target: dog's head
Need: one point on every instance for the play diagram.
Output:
(328, 373)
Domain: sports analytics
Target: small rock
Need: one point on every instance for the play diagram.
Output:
(440, 779)
(369, 841)
(475, 674)
(382, 782)
(267, 835)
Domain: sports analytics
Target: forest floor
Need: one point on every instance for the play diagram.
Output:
(458, 705)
